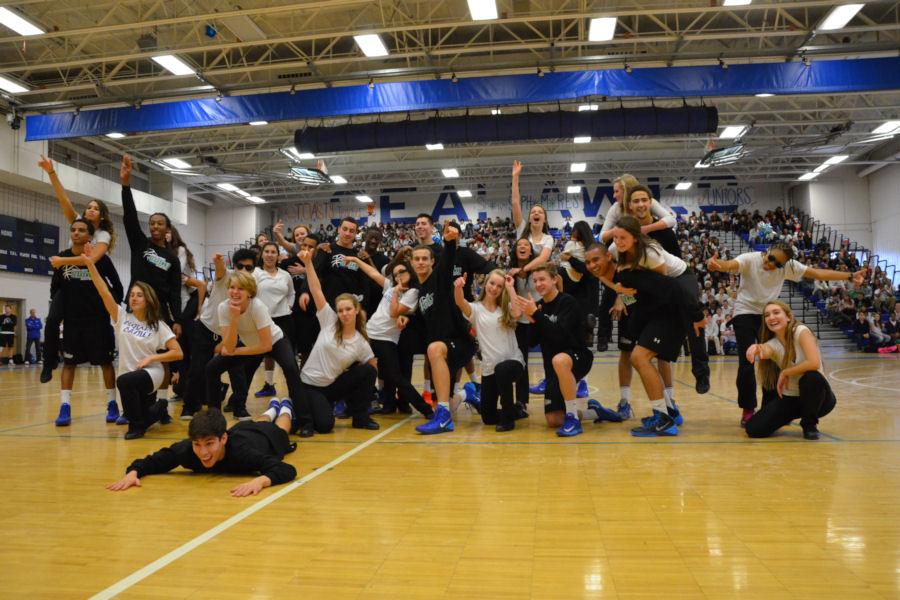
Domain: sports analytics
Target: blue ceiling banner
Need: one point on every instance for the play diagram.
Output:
(825, 76)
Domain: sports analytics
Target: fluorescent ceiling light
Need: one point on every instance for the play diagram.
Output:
(18, 23)
(482, 10)
(840, 16)
(736, 2)
(578, 168)
(177, 163)
(228, 187)
(683, 185)
(244, 194)
(256, 200)
(764, 95)
(371, 44)
(700, 165)
(496, 111)
(292, 153)
(174, 65)
(338, 179)
(573, 189)
(602, 29)
(115, 135)
(434, 146)
(365, 199)
(820, 168)
(11, 86)
(450, 173)
(258, 123)
(808, 176)
(887, 127)
(585, 107)
(733, 131)
(464, 194)
(837, 159)
(582, 139)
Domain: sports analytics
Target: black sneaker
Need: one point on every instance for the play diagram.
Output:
(810, 433)
(186, 413)
(521, 411)
(46, 372)
(702, 385)
(228, 407)
(306, 431)
(602, 346)
(240, 413)
(501, 427)
(367, 424)
(163, 411)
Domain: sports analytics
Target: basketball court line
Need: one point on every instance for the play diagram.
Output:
(160, 563)
(856, 382)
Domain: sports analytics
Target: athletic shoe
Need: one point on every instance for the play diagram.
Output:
(340, 410)
(539, 388)
(472, 397)
(285, 403)
(441, 422)
(186, 413)
(46, 372)
(122, 420)
(240, 413)
(265, 391)
(603, 413)
(65, 415)
(521, 411)
(276, 404)
(163, 411)
(602, 346)
(369, 424)
(746, 416)
(676, 414)
(702, 385)
(810, 433)
(658, 425)
(570, 427)
(112, 411)
(502, 427)
(582, 390)
(228, 407)
(624, 410)
(133, 435)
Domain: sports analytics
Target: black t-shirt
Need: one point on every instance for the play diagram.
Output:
(471, 263)
(338, 277)
(438, 310)
(374, 291)
(667, 239)
(559, 326)
(8, 324)
(82, 300)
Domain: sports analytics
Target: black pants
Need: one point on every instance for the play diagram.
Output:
(203, 345)
(501, 384)
(183, 366)
(687, 281)
(389, 370)
(604, 319)
(523, 331)
(138, 399)
(354, 386)
(815, 401)
(37, 348)
(51, 330)
(412, 342)
(746, 333)
(286, 324)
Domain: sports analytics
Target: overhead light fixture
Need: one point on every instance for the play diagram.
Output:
(736, 2)
(482, 10)
(602, 29)
(578, 168)
(683, 185)
(764, 95)
(887, 127)
(177, 163)
(464, 194)
(18, 23)
(292, 153)
(174, 65)
(228, 187)
(701, 165)
(839, 16)
(365, 199)
(337, 179)
(450, 173)
(496, 111)
(586, 107)
(837, 159)
(820, 168)
(733, 131)
(582, 139)
(258, 123)
(808, 176)
(244, 194)
(573, 189)
(434, 146)
(11, 86)
(371, 45)
(256, 200)
(115, 135)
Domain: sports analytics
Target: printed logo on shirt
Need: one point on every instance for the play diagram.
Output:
(337, 262)
(457, 271)
(72, 272)
(426, 302)
(552, 318)
(136, 329)
(156, 260)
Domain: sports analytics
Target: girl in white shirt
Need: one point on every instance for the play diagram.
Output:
(140, 333)
(622, 186)
(535, 229)
(791, 364)
(494, 318)
(275, 287)
(341, 365)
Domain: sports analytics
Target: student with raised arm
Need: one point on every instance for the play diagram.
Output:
(494, 318)
(762, 275)
(341, 365)
(790, 364)
(536, 229)
(140, 333)
(397, 299)
(248, 447)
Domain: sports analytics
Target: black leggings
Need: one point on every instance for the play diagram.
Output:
(203, 345)
(183, 366)
(138, 399)
(51, 330)
(746, 333)
(523, 331)
(501, 382)
(389, 370)
(815, 401)
(687, 281)
(354, 386)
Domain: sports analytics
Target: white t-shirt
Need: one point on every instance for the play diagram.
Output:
(381, 326)
(496, 341)
(546, 240)
(209, 316)
(759, 287)
(136, 340)
(276, 292)
(656, 256)
(657, 209)
(250, 322)
(793, 386)
(101, 236)
(328, 359)
(185, 289)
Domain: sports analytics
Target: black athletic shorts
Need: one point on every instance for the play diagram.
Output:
(582, 361)
(6, 341)
(664, 337)
(626, 340)
(459, 352)
(88, 340)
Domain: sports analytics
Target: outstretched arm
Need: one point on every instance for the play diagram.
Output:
(312, 280)
(108, 301)
(64, 203)
(828, 275)
(366, 268)
(727, 266)
(460, 299)
(516, 195)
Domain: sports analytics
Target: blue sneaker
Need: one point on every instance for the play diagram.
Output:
(112, 411)
(472, 397)
(441, 422)
(340, 410)
(570, 427)
(657, 425)
(624, 410)
(265, 391)
(274, 403)
(603, 413)
(676, 415)
(582, 390)
(65, 415)
(122, 420)
(539, 388)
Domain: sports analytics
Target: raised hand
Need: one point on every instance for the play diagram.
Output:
(125, 170)
(516, 168)
(713, 264)
(460, 282)
(528, 306)
(450, 232)
(279, 227)
(305, 257)
(859, 277)
(45, 164)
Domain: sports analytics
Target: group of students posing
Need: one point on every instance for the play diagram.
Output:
(316, 302)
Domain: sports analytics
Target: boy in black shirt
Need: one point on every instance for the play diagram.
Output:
(339, 277)
(248, 447)
(8, 322)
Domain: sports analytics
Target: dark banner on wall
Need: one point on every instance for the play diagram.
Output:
(25, 245)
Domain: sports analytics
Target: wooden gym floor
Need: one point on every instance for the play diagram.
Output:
(471, 514)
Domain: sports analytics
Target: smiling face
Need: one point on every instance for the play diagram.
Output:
(300, 233)
(270, 255)
(494, 287)
(523, 249)
(346, 312)
(640, 204)
(238, 295)
(776, 318)
(401, 275)
(423, 229)
(623, 240)
(543, 283)
(537, 217)
(158, 228)
(597, 261)
(422, 262)
(347, 233)
(136, 300)
(373, 240)
(210, 449)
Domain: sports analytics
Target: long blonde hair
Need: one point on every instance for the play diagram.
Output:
(506, 319)
(360, 323)
(768, 369)
(627, 181)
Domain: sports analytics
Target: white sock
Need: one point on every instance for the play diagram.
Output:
(162, 394)
(270, 377)
(572, 408)
(65, 396)
(668, 394)
(111, 395)
(457, 390)
(427, 385)
(625, 394)
(445, 404)
(659, 405)
(271, 412)
(286, 410)
(379, 384)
